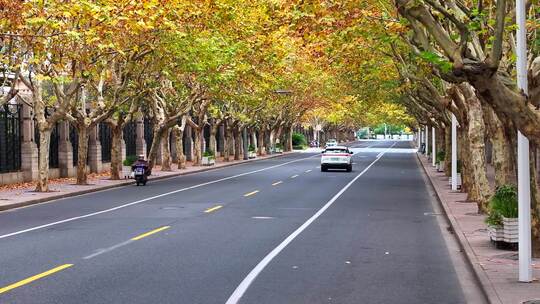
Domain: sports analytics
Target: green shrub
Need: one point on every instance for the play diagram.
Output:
(130, 159)
(279, 146)
(441, 155)
(251, 148)
(208, 153)
(504, 202)
(298, 139)
(494, 219)
(300, 147)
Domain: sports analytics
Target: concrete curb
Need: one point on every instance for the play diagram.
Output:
(487, 287)
(130, 182)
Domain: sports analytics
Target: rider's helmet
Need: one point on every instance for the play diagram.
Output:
(141, 157)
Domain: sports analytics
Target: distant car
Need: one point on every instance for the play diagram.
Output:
(331, 143)
(336, 157)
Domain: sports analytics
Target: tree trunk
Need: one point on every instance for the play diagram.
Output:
(535, 206)
(287, 138)
(82, 172)
(197, 149)
(178, 135)
(43, 162)
(116, 149)
(166, 160)
(213, 139)
(157, 132)
(260, 142)
(227, 142)
(237, 143)
(477, 156)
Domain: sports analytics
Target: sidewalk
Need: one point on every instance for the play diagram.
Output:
(497, 270)
(19, 195)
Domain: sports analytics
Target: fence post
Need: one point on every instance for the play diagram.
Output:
(29, 150)
(140, 143)
(65, 150)
(94, 151)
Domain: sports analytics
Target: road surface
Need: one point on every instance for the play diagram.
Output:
(271, 231)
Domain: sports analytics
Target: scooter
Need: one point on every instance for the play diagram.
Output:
(140, 175)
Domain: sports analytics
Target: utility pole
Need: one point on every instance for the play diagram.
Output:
(454, 153)
(524, 175)
(427, 141)
(433, 147)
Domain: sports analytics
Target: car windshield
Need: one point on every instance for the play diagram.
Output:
(336, 151)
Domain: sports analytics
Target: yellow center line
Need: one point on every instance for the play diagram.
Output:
(294, 176)
(34, 278)
(213, 209)
(307, 171)
(150, 233)
(277, 183)
(251, 193)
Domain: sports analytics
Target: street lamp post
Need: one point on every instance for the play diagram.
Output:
(433, 146)
(454, 153)
(524, 191)
(427, 141)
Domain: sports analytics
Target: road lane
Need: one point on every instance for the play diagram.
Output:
(203, 256)
(73, 240)
(376, 245)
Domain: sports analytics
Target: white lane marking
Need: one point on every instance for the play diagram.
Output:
(105, 250)
(294, 176)
(262, 217)
(149, 198)
(244, 285)
(307, 171)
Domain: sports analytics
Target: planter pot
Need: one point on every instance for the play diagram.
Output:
(208, 161)
(437, 166)
(458, 180)
(496, 233)
(441, 167)
(511, 232)
(252, 154)
(126, 171)
(278, 150)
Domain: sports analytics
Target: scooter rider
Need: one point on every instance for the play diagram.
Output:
(141, 162)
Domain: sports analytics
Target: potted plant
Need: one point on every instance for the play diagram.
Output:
(208, 158)
(495, 226)
(251, 152)
(278, 148)
(504, 204)
(439, 161)
(126, 165)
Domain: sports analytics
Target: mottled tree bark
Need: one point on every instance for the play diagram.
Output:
(82, 176)
(166, 160)
(501, 152)
(197, 146)
(260, 142)
(237, 143)
(43, 162)
(178, 135)
(116, 151)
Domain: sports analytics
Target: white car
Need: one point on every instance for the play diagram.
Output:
(331, 143)
(336, 157)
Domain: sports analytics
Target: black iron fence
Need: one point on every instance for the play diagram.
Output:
(74, 139)
(105, 137)
(10, 138)
(130, 138)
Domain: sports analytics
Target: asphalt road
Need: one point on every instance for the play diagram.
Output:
(271, 231)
